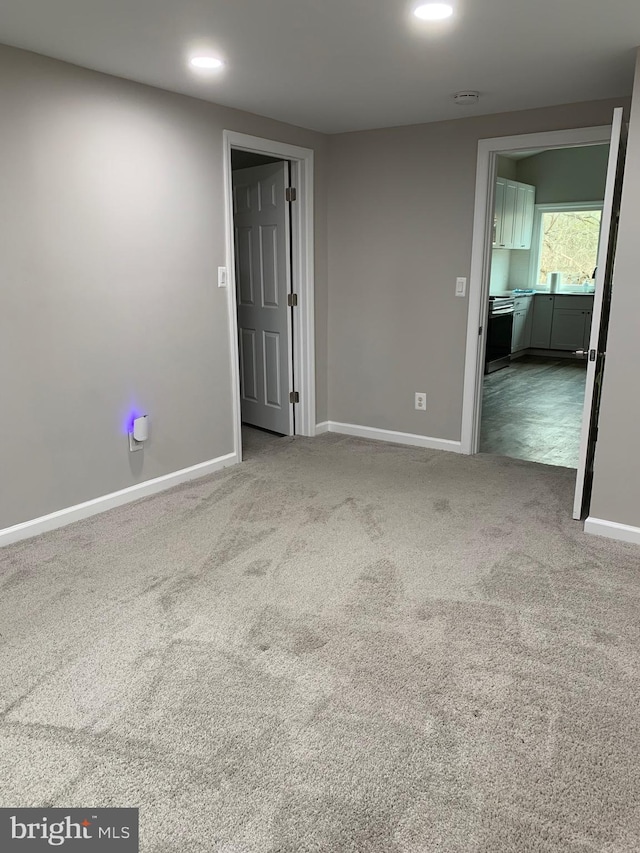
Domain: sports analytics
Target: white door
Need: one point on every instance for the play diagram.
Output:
(263, 275)
(600, 321)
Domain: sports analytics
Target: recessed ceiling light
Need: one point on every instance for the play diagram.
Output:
(433, 11)
(210, 63)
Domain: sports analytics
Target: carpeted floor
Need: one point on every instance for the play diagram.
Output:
(337, 646)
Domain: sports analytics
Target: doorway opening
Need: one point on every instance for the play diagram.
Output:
(546, 229)
(264, 288)
(504, 217)
(269, 219)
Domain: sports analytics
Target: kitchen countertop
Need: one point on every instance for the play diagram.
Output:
(545, 293)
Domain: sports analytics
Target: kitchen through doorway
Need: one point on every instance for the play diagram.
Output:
(546, 229)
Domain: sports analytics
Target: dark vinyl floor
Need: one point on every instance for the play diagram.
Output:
(533, 410)
(256, 441)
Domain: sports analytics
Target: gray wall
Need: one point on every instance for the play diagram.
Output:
(506, 168)
(566, 174)
(112, 228)
(616, 485)
(400, 230)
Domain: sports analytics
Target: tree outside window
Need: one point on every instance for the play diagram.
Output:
(569, 245)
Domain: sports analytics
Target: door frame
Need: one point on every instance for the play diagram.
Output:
(302, 275)
(488, 151)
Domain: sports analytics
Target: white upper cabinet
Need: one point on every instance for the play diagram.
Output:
(509, 214)
(523, 217)
(513, 218)
(501, 184)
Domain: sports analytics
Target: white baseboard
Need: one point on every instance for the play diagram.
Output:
(132, 493)
(612, 530)
(395, 437)
(322, 428)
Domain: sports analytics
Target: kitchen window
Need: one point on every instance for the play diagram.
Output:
(565, 241)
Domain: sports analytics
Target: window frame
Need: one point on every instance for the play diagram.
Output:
(536, 238)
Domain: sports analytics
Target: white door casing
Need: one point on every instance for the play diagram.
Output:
(302, 251)
(263, 276)
(600, 317)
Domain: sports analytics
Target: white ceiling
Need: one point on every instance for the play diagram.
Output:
(338, 65)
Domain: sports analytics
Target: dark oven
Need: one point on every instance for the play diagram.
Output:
(499, 331)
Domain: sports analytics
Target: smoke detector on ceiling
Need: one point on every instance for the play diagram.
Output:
(466, 99)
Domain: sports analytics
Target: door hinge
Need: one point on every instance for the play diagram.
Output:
(592, 355)
(292, 300)
(294, 397)
(480, 330)
(290, 194)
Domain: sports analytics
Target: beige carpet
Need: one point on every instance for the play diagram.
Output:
(337, 646)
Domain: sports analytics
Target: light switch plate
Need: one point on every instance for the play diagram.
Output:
(222, 276)
(461, 286)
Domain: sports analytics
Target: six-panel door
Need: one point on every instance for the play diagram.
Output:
(261, 227)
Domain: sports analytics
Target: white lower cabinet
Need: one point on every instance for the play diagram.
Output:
(561, 322)
(587, 329)
(568, 330)
(542, 320)
(571, 322)
(522, 322)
